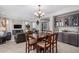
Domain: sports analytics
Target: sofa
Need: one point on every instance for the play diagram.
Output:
(8, 36)
(20, 37)
(5, 36)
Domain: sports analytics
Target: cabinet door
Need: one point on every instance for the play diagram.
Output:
(60, 37)
(65, 38)
(78, 40)
(73, 39)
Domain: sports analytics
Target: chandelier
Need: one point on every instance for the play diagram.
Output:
(39, 14)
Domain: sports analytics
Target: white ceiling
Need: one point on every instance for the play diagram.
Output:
(27, 11)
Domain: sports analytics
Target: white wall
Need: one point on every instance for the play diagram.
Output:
(10, 25)
(12, 22)
(19, 22)
(51, 22)
(51, 25)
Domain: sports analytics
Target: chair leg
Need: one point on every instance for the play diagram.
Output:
(26, 47)
(52, 48)
(34, 46)
(40, 50)
(44, 50)
(56, 48)
(37, 49)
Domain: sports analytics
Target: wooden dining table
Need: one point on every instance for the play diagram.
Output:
(39, 36)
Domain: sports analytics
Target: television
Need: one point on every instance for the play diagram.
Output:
(17, 26)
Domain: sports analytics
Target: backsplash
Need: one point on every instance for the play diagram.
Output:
(70, 29)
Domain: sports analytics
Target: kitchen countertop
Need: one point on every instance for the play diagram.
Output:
(70, 32)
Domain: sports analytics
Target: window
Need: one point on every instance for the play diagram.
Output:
(44, 25)
(34, 25)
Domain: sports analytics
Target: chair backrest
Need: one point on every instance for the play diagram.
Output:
(27, 34)
(49, 38)
(30, 38)
(46, 39)
(30, 32)
(54, 37)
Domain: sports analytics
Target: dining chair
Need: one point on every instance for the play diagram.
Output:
(54, 37)
(45, 44)
(31, 42)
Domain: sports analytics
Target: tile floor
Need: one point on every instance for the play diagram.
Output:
(12, 47)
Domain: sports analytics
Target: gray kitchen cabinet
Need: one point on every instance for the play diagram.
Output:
(73, 39)
(78, 39)
(70, 19)
(60, 37)
(69, 38)
(65, 38)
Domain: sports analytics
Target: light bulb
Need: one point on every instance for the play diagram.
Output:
(36, 14)
(39, 12)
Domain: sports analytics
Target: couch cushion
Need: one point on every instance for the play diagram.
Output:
(1, 33)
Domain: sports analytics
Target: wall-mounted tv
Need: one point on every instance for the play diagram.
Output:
(17, 26)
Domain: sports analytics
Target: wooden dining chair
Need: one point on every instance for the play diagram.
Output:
(54, 37)
(44, 44)
(31, 41)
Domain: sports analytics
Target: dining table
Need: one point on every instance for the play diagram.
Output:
(38, 37)
(41, 37)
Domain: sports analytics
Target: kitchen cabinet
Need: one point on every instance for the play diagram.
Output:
(69, 38)
(71, 20)
(73, 39)
(60, 37)
(65, 38)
